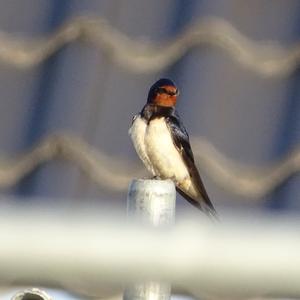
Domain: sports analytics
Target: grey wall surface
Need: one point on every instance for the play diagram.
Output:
(249, 118)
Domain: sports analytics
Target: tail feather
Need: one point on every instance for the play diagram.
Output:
(205, 207)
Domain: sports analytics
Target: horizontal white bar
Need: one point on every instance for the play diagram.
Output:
(81, 252)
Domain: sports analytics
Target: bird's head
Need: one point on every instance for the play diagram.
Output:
(163, 93)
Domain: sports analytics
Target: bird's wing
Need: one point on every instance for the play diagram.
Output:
(181, 141)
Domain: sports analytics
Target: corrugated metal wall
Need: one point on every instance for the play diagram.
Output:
(248, 117)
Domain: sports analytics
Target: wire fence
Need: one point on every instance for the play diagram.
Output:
(266, 58)
(115, 173)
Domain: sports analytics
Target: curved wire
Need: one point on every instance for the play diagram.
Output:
(267, 58)
(114, 173)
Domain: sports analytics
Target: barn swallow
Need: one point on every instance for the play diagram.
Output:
(162, 143)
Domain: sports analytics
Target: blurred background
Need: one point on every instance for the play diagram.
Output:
(249, 116)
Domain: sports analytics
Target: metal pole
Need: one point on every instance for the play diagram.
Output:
(151, 202)
(31, 294)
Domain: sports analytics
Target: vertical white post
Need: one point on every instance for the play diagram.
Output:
(151, 202)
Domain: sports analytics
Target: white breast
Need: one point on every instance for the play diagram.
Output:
(161, 151)
(137, 133)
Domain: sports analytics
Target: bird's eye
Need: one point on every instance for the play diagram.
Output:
(161, 90)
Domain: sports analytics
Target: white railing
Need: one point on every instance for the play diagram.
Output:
(85, 253)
